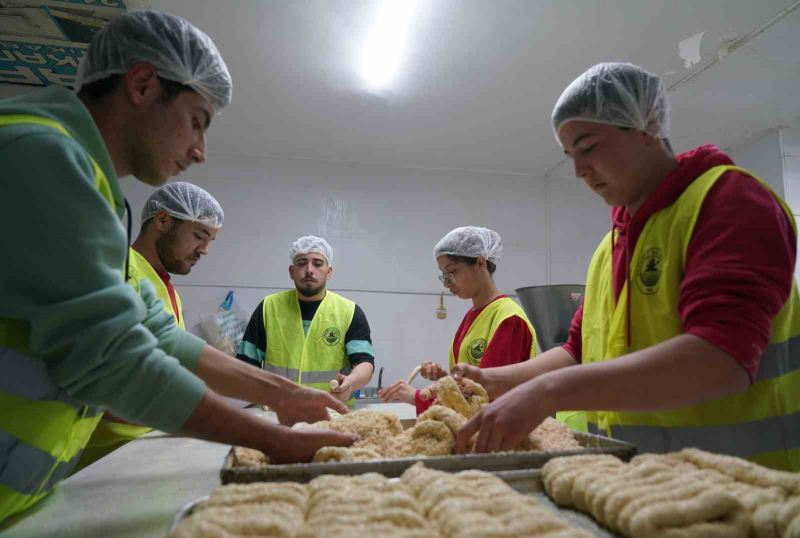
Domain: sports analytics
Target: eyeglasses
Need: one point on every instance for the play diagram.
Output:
(447, 277)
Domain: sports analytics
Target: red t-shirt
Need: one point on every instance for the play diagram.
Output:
(510, 344)
(739, 262)
(171, 290)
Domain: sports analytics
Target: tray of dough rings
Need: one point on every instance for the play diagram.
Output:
(389, 446)
(422, 503)
(690, 493)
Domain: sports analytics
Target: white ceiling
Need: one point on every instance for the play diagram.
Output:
(478, 78)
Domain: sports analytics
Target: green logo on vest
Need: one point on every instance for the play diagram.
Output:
(650, 270)
(476, 348)
(331, 336)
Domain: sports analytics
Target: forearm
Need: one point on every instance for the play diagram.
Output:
(682, 371)
(216, 420)
(236, 379)
(361, 375)
(510, 376)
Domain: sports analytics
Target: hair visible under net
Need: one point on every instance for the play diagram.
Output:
(178, 50)
(311, 243)
(186, 202)
(620, 94)
(470, 241)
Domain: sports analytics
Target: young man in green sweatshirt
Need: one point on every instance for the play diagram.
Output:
(75, 339)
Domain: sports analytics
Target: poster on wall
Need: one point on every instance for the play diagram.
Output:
(42, 41)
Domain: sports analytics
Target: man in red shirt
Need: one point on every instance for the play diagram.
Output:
(179, 222)
(692, 294)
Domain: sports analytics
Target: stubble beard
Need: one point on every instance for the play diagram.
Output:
(309, 292)
(164, 247)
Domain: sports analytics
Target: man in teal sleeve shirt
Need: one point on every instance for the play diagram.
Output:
(75, 339)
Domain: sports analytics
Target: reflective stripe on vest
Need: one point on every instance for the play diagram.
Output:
(311, 359)
(139, 268)
(42, 429)
(482, 330)
(322, 376)
(760, 423)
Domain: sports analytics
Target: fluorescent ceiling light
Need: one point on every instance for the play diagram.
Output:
(382, 51)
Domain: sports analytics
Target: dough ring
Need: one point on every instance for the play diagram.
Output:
(414, 374)
(432, 438)
(332, 453)
(450, 395)
(445, 415)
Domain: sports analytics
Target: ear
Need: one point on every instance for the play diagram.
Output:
(481, 262)
(291, 272)
(141, 84)
(163, 221)
(330, 273)
(648, 139)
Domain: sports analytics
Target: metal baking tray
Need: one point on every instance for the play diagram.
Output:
(186, 511)
(526, 481)
(497, 461)
(529, 482)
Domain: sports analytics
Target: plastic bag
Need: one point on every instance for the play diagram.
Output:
(224, 328)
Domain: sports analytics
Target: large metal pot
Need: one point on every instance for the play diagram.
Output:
(550, 310)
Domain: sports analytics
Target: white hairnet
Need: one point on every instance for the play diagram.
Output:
(186, 202)
(311, 243)
(618, 94)
(179, 52)
(470, 241)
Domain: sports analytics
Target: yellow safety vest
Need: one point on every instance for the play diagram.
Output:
(139, 268)
(42, 429)
(482, 330)
(760, 423)
(109, 435)
(314, 359)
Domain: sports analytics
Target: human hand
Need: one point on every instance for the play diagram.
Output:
(305, 404)
(488, 378)
(299, 446)
(399, 391)
(344, 388)
(504, 423)
(432, 371)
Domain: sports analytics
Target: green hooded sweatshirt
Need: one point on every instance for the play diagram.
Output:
(62, 274)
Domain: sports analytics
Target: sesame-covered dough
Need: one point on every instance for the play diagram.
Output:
(463, 396)
(423, 503)
(339, 453)
(382, 435)
(475, 503)
(686, 494)
(248, 457)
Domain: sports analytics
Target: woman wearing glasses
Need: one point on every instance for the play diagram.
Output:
(494, 332)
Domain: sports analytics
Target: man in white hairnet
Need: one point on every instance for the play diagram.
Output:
(688, 332)
(179, 221)
(75, 338)
(311, 335)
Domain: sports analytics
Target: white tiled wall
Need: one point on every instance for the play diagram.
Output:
(763, 158)
(790, 138)
(775, 157)
(383, 222)
(791, 166)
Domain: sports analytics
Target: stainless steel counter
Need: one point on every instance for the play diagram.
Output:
(135, 491)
